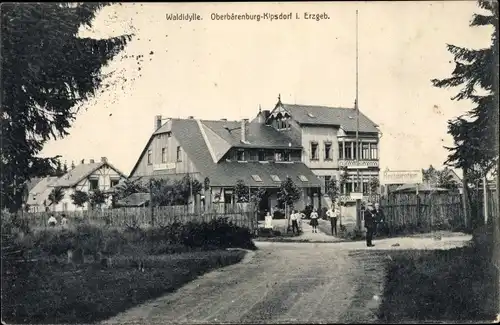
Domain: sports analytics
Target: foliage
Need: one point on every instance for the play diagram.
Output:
(257, 195)
(56, 195)
(178, 192)
(439, 178)
(79, 198)
(475, 134)
(333, 190)
(374, 185)
(241, 192)
(47, 72)
(97, 198)
(206, 184)
(289, 192)
(128, 187)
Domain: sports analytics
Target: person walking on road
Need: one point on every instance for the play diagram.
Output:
(314, 220)
(295, 224)
(369, 217)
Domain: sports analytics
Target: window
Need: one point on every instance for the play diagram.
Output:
(303, 178)
(327, 183)
(314, 151)
(328, 151)
(94, 184)
(262, 156)
(150, 157)
(341, 150)
(179, 153)
(275, 178)
(373, 151)
(114, 182)
(348, 187)
(169, 134)
(278, 156)
(365, 151)
(348, 150)
(282, 123)
(257, 178)
(286, 156)
(240, 155)
(163, 155)
(354, 150)
(253, 155)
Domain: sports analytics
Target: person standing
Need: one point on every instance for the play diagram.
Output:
(333, 214)
(314, 220)
(369, 217)
(380, 217)
(52, 221)
(295, 224)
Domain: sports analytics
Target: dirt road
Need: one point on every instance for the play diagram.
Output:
(280, 283)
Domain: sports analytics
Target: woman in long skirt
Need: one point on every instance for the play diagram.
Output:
(314, 220)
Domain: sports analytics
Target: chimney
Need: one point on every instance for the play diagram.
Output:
(92, 161)
(223, 119)
(191, 117)
(244, 130)
(157, 122)
(104, 159)
(83, 161)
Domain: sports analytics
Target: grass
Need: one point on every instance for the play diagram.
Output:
(57, 293)
(437, 285)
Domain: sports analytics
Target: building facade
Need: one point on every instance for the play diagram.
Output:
(329, 146)
(219, 154)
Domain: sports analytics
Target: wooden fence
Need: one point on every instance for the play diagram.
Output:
(240, 215)
(427, 211)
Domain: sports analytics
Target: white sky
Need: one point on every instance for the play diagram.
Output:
(216, 69)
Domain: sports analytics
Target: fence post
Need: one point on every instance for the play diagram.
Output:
(151, 202)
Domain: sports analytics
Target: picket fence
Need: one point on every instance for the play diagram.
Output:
(426, 211)
(241, 215)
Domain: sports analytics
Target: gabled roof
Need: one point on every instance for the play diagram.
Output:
(80, 172)
(335, 116)
(214, 139)
(258, 135)
(191, 139)
(40, 192)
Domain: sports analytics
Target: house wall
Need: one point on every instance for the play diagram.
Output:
(171, 165)
(103, 175)
(320, 135)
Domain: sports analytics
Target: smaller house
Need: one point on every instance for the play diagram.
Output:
(85, 177)
(134, 200)
(38, 195)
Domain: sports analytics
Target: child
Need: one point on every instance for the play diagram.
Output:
(314, 220)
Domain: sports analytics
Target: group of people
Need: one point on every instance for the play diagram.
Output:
(374, 217)
(53, 221)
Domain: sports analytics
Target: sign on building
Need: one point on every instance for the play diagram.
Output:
(164, 166)
(402, 177)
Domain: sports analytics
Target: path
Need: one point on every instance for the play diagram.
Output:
(282, 283)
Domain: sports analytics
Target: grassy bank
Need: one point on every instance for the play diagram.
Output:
(438, 285)
(57, 293)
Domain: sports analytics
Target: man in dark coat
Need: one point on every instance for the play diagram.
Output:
(369, 217)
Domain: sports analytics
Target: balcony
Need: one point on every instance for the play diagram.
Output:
(350, 163)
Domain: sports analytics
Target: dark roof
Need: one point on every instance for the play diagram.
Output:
(134, 200)
(81, 171)
(258, 135)
(323, 115)
(421, 188)
(225, 173)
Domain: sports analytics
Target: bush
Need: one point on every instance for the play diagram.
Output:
(173, 238)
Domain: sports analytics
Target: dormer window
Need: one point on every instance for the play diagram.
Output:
(257, 178)
(240, 155)
(282, 123)
(275, 178)
(303, 178)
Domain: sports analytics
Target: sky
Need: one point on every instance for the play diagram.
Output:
(213, 69)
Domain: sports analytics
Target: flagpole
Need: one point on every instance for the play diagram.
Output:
(356, 107)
